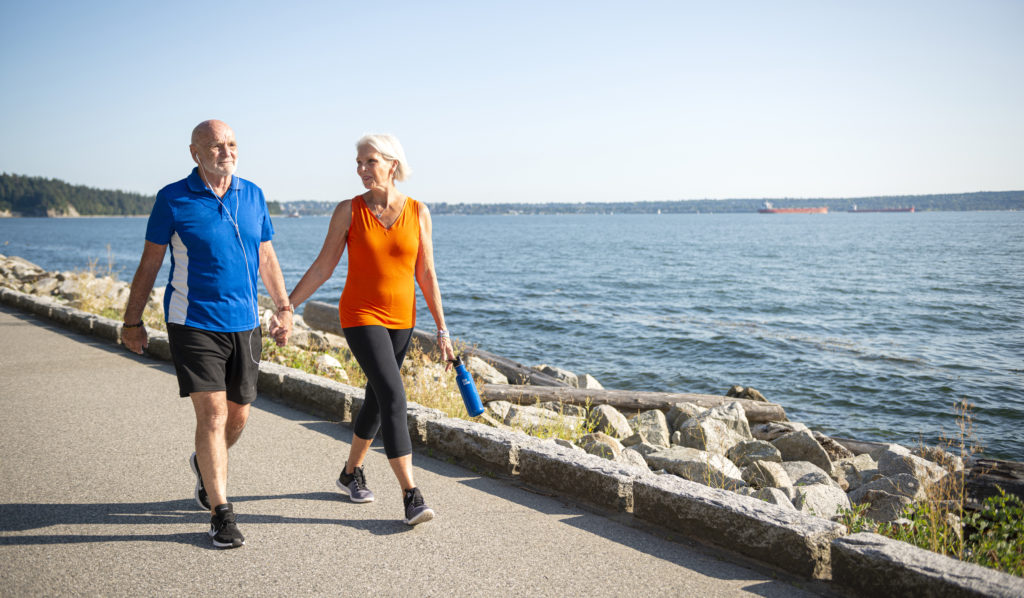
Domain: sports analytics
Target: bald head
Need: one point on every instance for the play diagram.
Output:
(214, 149)
(209, 128)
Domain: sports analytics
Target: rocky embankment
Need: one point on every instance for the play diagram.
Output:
(692, 468)
(781, 462)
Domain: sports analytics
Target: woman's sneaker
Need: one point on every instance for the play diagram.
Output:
(223, 530)
(201, 499)
(354, 485)
(416, 511)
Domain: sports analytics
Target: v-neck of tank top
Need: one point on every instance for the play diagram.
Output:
(380, 222)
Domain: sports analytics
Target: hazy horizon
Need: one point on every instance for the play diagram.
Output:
(527, 102)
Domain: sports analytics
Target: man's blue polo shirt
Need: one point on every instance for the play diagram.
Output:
(214, 269)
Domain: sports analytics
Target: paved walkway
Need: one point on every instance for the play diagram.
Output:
(95, 499)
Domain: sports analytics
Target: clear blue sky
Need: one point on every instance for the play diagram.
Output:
(525, 101)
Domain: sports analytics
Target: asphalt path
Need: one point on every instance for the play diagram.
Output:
(96, 499)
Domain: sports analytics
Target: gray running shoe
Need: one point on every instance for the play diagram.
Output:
(354, 485)
(223, 530)
(416, 511)
(201, 499)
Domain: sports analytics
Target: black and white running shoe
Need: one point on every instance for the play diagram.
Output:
(201, 499)
(223, 530)
(354, 485)
(416, 510)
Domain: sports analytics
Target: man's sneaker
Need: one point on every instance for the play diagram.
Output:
(416, 511)
(223, 530)
(354, 485)
(201, 499)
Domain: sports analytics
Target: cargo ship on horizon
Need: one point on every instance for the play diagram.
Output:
(768, 209)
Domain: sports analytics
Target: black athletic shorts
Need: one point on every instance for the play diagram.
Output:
(208, 361)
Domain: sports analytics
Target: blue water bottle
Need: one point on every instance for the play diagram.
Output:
(470, 397)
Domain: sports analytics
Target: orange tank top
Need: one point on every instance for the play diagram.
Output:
(380, 288)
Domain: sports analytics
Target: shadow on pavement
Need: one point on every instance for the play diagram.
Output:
(19, 517)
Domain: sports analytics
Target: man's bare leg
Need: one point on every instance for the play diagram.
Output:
(219, 423)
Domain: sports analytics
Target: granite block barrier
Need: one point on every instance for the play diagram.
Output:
(478, 443)
(582, 476)
(314, 394)
(874, 565)
(795, 542)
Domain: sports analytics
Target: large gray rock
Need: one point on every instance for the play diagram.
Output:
(565, 408)
(602, 445)
(876, 453)
(46, 285)
(883, 506)
(716, 430)
(892, 463)
(558, 374)
(586, 381)
(833, 449)
(766, 474)
(498, 409)
(697, 466)
(769, 431)
(650, 427)
(526, 417)
(821, 500)
(857, 470)
(769, 495)
(801, 446)
(937, 455)
(609, 420)
(805, 473)
(873, 565)
(484, 371)
(680, 412)
(748, 451)
(902, 484)
(748, 392)
(631, 456)
(645, 448)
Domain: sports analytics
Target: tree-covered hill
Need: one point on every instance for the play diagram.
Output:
(37, 196)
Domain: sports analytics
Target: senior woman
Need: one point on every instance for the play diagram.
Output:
(389, 241)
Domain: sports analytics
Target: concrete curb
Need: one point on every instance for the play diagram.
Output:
(788, 539)
(792, 541)
(875, 565)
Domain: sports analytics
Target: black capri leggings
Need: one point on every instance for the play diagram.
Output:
(380, 352)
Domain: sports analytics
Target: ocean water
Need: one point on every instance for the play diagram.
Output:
(866, 326)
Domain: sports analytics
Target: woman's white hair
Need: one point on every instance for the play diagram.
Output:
(388, 147)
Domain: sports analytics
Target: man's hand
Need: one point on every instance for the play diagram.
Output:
(281, 327)
(135, 339)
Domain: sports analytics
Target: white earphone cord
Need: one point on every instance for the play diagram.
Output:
(245, 256)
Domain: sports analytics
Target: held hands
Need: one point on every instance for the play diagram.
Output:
(281, 327)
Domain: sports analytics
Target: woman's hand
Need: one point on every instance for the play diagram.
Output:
(281, 327)
(444, 345)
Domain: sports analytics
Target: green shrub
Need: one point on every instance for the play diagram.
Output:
(997, 536)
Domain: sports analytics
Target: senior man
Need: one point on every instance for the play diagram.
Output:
(220, 235)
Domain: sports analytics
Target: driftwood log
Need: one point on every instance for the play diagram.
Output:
(985, 474)
(626, 400)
